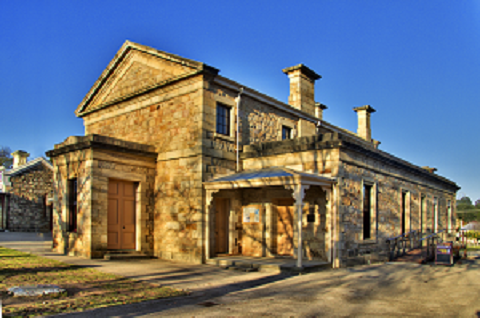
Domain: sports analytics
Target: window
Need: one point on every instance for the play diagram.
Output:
(422, 214)
(404, 211)
(449, 216)
(435, 215)
(367, 211)
(286, 132)
(223, 120)
(72, 205)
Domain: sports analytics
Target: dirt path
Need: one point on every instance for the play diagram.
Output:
(388, 290)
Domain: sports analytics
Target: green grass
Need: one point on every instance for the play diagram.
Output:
(86, 288)
(473, 248)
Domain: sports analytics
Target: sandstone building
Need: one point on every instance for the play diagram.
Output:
(26, 198)
(158, 171)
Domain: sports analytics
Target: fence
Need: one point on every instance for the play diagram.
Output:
(469, 237)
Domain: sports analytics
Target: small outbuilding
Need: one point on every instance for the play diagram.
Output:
(26, 195)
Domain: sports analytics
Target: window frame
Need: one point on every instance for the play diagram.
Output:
(423, 214)
(449, 216)
(289, 130)
(227, 117)
(72, 205)
(367, 217)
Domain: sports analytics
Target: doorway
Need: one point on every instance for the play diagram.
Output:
(121, 215)
(283, 227)
(222, 208)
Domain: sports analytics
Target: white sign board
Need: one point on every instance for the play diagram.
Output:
(251, 215)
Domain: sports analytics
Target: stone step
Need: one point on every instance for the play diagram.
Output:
(242, 269)
(266, 266)
(125, 256)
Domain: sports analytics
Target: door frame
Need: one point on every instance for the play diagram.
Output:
(276, 203)
(135, 218)
(226, 211)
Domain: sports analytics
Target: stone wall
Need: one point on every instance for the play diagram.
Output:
(27, 210)
(167, 118)
(354, 164)
(388, 182)
(179, 209)
(72, 165)
(93, 167)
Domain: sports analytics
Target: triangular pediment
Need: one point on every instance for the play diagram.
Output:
(134, 70)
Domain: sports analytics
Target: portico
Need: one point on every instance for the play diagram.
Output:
(273, 212)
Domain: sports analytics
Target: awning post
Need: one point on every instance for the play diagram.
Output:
(298, 195)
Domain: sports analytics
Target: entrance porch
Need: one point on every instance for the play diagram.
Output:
(271, 213)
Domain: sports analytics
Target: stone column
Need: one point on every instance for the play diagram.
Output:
(208, 223)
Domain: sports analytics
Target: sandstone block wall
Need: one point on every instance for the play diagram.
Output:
(75, 164)
(27, 210)
(179, 209)
(388, 183)
(93, 168)
(167, 118)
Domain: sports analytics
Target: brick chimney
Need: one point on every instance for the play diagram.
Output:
(302, 88)
(364, 129)
(319, 108)
(19, 158)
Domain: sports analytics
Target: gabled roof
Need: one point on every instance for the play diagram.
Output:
(275, 176)
(120, 56)
(29, 166)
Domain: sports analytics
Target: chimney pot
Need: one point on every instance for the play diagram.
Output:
(19, 158)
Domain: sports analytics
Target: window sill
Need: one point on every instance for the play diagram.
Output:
(223, 137)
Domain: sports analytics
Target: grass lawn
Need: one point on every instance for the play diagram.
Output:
(473, 248)
(85, 288)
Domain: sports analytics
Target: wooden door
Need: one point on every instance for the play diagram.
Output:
(284, 226)
(221, 225)
(121, 215)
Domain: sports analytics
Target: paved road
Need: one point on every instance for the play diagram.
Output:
(387, 290)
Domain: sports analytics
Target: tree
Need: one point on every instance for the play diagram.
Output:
(463, 207)
(6, 159)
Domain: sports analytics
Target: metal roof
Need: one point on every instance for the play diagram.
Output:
(249, 175)
(268, 177)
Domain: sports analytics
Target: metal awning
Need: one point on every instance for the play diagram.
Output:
(276, 176)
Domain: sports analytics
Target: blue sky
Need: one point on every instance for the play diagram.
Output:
(416, 62)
